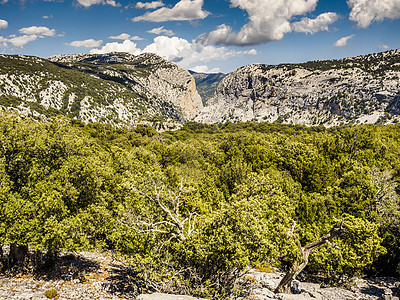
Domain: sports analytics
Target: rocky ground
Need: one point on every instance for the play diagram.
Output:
(95, 275)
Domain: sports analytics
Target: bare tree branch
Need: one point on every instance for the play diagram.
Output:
(169, 202)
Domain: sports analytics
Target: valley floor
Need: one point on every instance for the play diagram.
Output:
(98, 275)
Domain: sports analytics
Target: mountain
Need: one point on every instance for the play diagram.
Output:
(363, 89)
(116, 88)
(124, 89)
(207, 84)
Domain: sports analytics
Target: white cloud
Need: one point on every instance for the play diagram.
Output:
(184, 10)
(88, 3)
(161, 30)
(149, 5)
(29, 34)
(185, 54)
(125, 46)
(342, 42)
(177, 50)
(383, 46)
(136, 38)
(321, 23)
(364, 12)
(47, 17)
(125, 36)
(269, 21)
(21, 41)
(3, 24)
(205, 69)
(38, 30)
(90, 43)
(112, 3)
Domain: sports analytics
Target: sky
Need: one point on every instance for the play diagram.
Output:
(202, 35)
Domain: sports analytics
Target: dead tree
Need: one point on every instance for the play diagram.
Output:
(169, 202)
(298, 266)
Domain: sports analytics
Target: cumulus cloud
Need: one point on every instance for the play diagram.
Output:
(125, 46)
(184, 10)
(161, 30)
(383, 46)
(89, 43)
(125, 36)
(3, 24)
(342, 42)
(364, 12)
(321, 23)
(38, 30)
(177, 50)
(20, 41)
(269, 21)
(205, 69)
(29, 34)
(88, 3)
(185, 54)
(149, 5)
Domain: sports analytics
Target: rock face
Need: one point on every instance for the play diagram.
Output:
(366, 289)
(116, 88)
(207, 84)
(363, 89)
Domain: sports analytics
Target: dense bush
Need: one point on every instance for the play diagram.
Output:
(201, 205)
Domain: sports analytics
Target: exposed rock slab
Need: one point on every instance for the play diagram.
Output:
(384, 288)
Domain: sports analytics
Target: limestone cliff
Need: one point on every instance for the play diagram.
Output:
(364, 89)
(116, 88)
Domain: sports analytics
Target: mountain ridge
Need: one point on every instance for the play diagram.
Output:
(362, 89)
(123, 89)
(116, 88)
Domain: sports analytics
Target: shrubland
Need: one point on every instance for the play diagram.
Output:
(193, 210)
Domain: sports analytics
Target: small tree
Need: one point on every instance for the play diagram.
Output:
(356, 245)
(285, 284)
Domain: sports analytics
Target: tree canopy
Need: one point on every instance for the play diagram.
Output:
(207, 200)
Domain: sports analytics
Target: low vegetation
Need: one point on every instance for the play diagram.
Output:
(192, 210)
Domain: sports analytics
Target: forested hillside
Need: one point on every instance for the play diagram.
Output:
(194, 209)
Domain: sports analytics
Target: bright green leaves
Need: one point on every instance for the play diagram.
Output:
(68, 186)
(252, 228)
(51, 177)
(359, 247)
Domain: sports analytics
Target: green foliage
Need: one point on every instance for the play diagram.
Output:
(204, 202)
(51, 293)
(359, 248)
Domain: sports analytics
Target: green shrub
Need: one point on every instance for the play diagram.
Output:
(51, 293)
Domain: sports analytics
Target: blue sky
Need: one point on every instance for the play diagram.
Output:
(208, 36)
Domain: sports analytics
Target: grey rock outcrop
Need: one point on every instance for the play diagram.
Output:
(147, 73)
(358, 90)
(115, 88)
(207, 84)
(360, 289)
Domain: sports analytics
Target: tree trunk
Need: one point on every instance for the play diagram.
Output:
(286, 282)
(18, 254)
